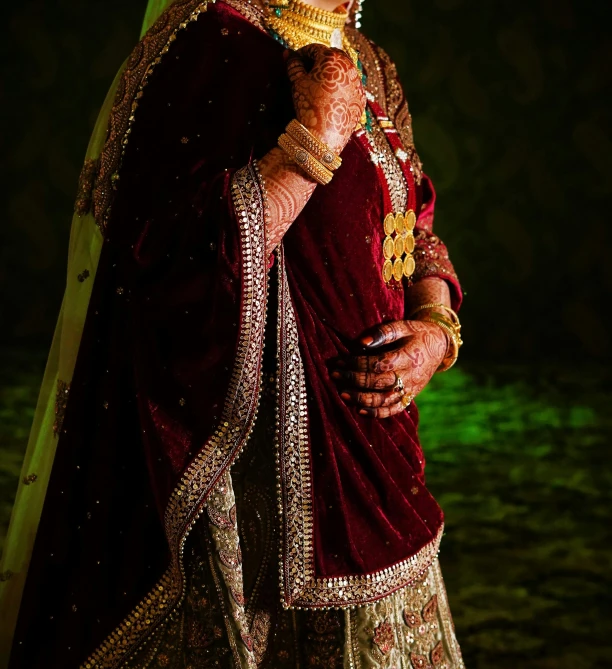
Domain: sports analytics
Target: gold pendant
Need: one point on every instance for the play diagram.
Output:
(398, 245)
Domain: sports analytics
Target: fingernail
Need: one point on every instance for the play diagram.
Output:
(345, 396)
(336, 375)
(367, 341)
(363, 412)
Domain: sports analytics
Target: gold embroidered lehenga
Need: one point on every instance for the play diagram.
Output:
(188, 501)
(234, 587)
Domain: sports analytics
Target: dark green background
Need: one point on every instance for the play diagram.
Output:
(511, 120)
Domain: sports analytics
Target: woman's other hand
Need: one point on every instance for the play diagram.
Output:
(371, 381)
(328, 95)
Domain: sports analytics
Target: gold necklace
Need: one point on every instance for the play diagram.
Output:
(296, 24)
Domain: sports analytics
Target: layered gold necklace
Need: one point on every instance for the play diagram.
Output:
(296, 24)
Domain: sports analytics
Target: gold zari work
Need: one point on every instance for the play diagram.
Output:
(86, 185)
(141, 630)
(398, 246)
(148, 53)
(413, 628)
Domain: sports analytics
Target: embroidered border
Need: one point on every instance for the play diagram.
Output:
(250, 10)
(431, 257)
(400, 114)
(188, 499)
(447, 620)
(371, 64)
(383, 155)
(146, 55)
(296, 561)
(87, 180)
(299, 587)
(226, 564)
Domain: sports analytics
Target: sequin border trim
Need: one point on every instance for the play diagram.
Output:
(298, 586)
(249, 10)
(188, 499)
(87, 180)
(142, 61)
(296, 559)
(447, 620)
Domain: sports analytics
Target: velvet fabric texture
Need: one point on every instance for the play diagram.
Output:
(160, 339)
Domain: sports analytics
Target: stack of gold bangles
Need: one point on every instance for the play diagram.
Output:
(314, 157)
(449, 322)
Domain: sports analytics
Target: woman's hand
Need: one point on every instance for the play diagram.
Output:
(329, 100)
(368, 381)
(328, 95)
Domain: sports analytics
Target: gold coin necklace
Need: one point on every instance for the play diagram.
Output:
(398, 227)
(295, 24)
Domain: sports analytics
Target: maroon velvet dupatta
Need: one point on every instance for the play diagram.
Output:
(168, 377)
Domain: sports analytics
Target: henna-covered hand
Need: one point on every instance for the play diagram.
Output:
(328, 95)
(368, 381)
(329, 100)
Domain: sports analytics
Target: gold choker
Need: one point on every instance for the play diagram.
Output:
(296, 24)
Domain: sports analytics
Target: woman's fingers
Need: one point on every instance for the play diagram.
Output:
(297, 60)
(384, 412)
(387, 333)
(372, 400)
(367, 380)
(295, 68)
(391, 361)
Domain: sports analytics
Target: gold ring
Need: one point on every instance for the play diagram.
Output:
(407, 400)
(398, 385)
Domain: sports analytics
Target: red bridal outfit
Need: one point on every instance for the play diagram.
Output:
(213, 501)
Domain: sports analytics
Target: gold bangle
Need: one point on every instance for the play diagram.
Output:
(455, 327)
(436, 306)
(313, 145)
(308, 163)
(455, 340)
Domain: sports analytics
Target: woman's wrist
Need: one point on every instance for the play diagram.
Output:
(452, 331)
(429, 290)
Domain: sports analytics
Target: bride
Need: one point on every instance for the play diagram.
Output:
(224, 469)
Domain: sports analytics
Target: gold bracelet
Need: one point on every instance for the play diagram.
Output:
(309, 164)
(456, 327)
(434, 306)
(455, 338)
(313, 145)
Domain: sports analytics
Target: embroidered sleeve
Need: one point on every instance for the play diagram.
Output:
(430, 253)
(398, 111)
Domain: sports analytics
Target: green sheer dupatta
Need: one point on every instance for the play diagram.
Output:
(154, 9)
(84, 253)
